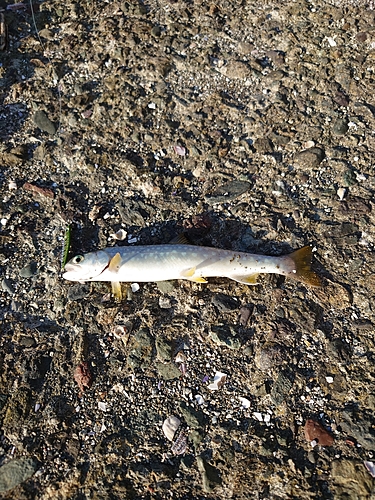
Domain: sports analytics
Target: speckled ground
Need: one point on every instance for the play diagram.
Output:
(245, 125)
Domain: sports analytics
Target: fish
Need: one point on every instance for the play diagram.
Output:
(148, 263)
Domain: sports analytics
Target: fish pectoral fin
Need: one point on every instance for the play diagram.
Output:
(114, 263)
(190, 275)
(249, 279)
(116, 290)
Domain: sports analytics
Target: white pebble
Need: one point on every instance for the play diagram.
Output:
(135, 287)
(329, 380)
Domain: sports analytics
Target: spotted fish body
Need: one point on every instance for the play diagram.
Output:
(189, 262)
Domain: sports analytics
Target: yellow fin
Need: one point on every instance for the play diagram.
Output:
(116, 290)
(114, 263)
(189, 275)
(302, 261)
(250, 279)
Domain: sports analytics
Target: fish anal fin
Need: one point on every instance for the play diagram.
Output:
(116, 290)
(198, 279)
(190, 275)
(114, 263)
(249, 279)
(302, 263)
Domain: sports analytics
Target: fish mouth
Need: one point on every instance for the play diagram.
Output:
(71, 273)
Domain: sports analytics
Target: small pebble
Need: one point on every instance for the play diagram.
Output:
(7, 286)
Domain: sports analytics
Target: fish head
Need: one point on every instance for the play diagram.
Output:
(86, 267)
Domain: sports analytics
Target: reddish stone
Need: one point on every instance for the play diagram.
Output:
(83, 376)
(314, 431)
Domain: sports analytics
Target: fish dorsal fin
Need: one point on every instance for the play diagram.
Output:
(180, 239)
(249, 279)
(114, 263)
(189, 275)
(116, 290)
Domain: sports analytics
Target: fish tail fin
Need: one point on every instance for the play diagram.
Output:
(302, 261)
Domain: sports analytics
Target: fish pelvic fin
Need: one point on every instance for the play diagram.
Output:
(249, 279)
(114, 263)
(116, 290)
(302, 261)
(190, 275)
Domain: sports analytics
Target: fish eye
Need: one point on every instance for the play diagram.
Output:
(78, 259)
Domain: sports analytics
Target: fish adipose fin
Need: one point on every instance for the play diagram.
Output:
(250, 279)
(189, 275)
(302, 262)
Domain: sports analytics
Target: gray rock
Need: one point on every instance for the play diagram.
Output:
(166, 286)
(42, 121)
(355, 424)
(78, 291)
(282, 387)
(309, 158)
(29, 270)
(340, 127)
(229, 191)
(209, 474)
(163, 349)
(269, 356)
(222, 335)
(351, 480)
(224, 302)
(140, 353)
(193, 418)
(168, 371)
(15, 472)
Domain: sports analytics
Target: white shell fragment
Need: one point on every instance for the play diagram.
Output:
(219, 381)
(179, 150)
(135, 287)
(341, 192)
(245, 403)
(199, 399)
(102, 406)
(370, 466)
(119, 235)
(170, 426)
(12, 185)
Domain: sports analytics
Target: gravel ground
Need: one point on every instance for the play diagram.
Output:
(245, 125)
